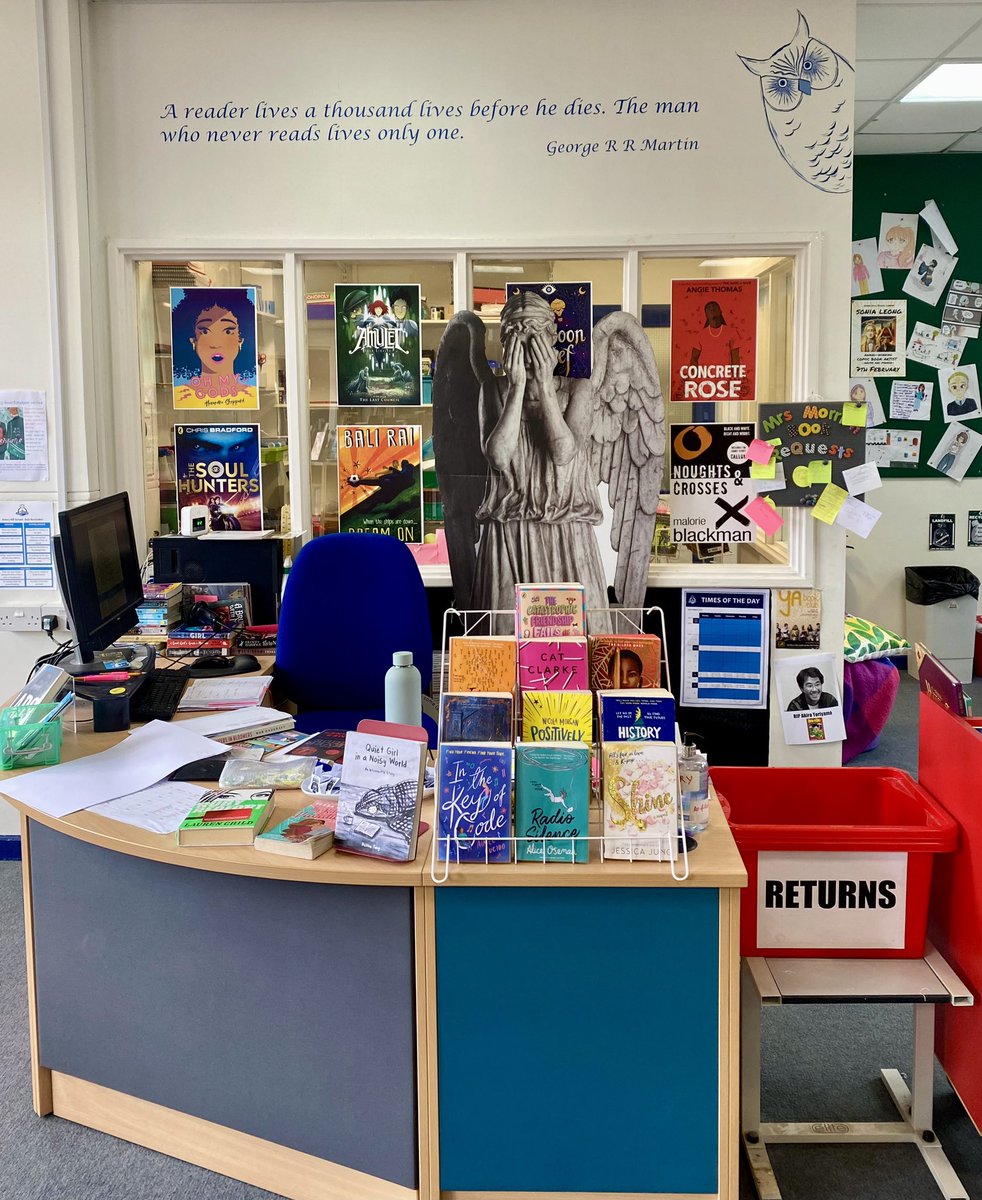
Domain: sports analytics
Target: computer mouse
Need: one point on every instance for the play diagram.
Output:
(218, 664)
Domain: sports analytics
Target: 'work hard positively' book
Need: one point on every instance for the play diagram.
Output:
(476, 717)
(549, 610)
(552, 799)
(638, 715)
(474, 802)
(381, 788)
(640, 798)
(557, 717)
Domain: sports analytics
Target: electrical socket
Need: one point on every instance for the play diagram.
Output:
(20, 617)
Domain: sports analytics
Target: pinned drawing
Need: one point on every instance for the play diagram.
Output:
(807, 90)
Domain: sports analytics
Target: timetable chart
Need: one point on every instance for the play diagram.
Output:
(725, 648)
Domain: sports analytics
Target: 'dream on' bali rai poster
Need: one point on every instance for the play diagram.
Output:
(218, 466)
(380, 480)
(213, 347)
(572, 305)
(378, 345)
(714, 341)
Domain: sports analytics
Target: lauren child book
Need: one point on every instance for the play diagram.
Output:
(552, 802)
(474, 802)
(381, 789)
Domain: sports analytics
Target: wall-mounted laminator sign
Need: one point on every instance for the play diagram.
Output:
(812, 900)
(709, 470)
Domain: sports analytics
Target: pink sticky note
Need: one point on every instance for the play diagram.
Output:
(762, 514)
(760, 452)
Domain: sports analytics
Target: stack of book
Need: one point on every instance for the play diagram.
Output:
(200, 640)
(159, 612)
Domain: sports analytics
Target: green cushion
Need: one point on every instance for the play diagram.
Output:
(864, 640)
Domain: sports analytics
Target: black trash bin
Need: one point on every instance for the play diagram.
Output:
(941, 607)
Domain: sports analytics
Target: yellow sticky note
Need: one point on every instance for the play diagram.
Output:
(854, 414)
(829, 503)
(763, 470)
(800, 476)
(775, 442)
(820, 471)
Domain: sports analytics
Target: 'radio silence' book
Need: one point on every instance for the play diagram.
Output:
(640, 799)
(474, 802)
(552, 801)
(379, 800)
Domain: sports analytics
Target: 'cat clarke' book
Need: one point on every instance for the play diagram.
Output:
(553, 665)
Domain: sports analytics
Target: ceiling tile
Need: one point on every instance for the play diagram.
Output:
(865, 109)
(909, 30)
(943, 117)
(970, 143)
(903, 143)
(887, 78)
(968, 47)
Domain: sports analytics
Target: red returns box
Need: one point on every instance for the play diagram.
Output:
(839, 860)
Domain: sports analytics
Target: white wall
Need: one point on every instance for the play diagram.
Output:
(495, 184)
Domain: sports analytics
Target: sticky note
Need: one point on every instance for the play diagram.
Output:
(759, 470)
(820, 471)
(829, 503)
(857, 517)
(760, 452)
(801, 477)
(764, 514)
(855, 414)
(775, 442)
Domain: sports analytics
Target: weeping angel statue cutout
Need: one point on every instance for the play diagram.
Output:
(520, 458)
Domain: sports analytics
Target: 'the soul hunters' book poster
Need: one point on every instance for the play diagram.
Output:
(213, 346)
(380, 480)
(378, 347)
(714, 340)
(218, 466)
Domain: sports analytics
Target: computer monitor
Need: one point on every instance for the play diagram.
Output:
(99, 573)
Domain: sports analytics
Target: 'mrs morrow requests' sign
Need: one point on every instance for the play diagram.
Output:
(813, 900)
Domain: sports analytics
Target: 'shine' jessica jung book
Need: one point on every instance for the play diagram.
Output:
(552, 801)
(379, 800)
(474, 802)
(640, 798)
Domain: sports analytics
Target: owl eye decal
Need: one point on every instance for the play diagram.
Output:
(781, 92)
(818, 65)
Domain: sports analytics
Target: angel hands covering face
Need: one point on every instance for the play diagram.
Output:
(520, 457)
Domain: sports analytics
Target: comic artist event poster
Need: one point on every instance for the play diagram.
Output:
(879, 334)
(714, 340)
(218, 466)
(377, 339)
(380, 480)
(815, 448)
(709, 470)
(213, 347)
(572, 304)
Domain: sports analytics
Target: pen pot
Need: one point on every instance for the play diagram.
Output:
(27, 739)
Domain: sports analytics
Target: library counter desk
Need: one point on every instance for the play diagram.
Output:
(345, 1029)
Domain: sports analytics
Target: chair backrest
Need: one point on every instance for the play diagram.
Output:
(351, 600)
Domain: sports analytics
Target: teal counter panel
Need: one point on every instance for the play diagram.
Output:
(578, 1039)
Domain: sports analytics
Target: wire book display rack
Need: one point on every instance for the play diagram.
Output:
(554, 850)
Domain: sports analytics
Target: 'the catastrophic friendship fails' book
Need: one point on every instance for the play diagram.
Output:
(549, 610)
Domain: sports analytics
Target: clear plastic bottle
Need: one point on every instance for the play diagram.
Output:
(694, 786)
(403, 690)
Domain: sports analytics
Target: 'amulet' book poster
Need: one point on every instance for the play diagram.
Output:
(218, 466)
(380, 480)
(714, 340)
(378, 347)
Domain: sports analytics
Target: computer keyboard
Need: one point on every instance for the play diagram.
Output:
(157, 697)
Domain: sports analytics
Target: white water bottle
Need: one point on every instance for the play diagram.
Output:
(403, 690)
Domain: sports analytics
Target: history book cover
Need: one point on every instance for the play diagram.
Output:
(636, 715)
(473, 785)
(639, 782)
(557, 716)
(379, 360)
(380, 794)
(476, 717)
(552, 801)
(624, 660)
(572, 306)
(714, 341)
(479, 664)
(214, 347)
(553, 665)
(380, 480)
(218, 466)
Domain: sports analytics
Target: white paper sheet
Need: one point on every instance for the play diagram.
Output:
(160, 808)
(230, 691)
(857, 517)
(26, 550)
(24, 422)
(940, 233)
(148, 755)
(863, 478)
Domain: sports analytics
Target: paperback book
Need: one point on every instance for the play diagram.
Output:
(227, 818)
(474, 802)
(640, 799)
(482, 664)
(638, 715)
(476, 717)
(380, 793)
(624, 660)
(550, 610)
(553, 665)
(557, 717)
(327, 745)
(552, 802)
(307, 834)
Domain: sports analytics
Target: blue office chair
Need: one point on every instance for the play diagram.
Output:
(351, 599)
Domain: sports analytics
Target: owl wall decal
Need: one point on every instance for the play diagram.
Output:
(807, 91)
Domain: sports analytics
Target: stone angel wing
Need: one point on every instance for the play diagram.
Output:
(628, 451)
(461, 371)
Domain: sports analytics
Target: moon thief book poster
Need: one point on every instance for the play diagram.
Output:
(378, 345)
(572, 306)
(218, 466)
(380, 480)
